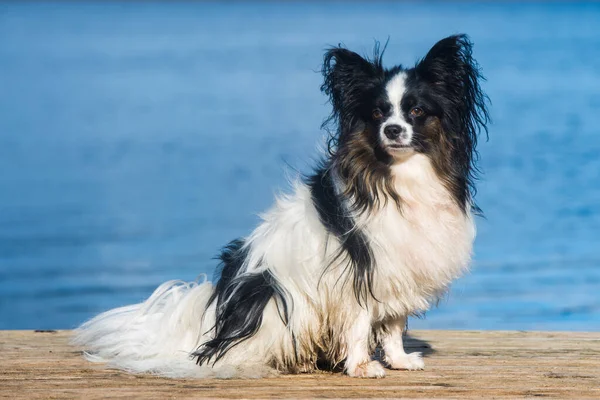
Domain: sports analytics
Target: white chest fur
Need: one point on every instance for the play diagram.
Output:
(421, 248)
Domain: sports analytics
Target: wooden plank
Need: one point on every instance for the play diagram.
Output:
(458, 365)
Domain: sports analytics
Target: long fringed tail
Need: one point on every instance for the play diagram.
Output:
(156, 336)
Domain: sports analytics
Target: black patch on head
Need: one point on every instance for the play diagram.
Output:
(446, 84)
(350, 81)
(241, 299)
(335, 216)
(354, 85)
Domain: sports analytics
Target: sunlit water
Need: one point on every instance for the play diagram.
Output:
(137, 139)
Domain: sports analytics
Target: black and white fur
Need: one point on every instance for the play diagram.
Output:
(376, 234)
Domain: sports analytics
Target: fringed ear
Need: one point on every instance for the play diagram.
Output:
(453, 74)
(450, 68)
(347, 77)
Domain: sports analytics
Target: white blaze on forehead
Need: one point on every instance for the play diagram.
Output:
(395, 90)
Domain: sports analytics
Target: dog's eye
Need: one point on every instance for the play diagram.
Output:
(377, 114)
(417, 112)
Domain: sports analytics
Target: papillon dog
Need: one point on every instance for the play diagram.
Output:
(377, 233)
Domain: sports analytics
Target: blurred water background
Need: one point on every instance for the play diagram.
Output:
(138, 138)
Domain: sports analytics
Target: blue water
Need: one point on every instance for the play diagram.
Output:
(138, 138)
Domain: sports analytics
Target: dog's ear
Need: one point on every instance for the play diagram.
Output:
(454, 78)
(450, 69)
(345, 72)
(346, 78)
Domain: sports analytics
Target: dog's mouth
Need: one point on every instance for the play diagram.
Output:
(399, 151)
(398, 147)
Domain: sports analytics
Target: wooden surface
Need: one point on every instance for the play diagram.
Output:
(458, 364)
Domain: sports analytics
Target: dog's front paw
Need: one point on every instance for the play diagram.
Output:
(369, 369)
(412, 361)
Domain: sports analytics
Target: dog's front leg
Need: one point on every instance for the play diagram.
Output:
(393, 347)
(358, 358)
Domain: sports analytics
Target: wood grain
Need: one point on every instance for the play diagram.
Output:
(459, 364)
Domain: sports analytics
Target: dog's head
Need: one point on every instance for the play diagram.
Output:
(383, 115)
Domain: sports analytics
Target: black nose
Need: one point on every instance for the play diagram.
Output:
(393, 131)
